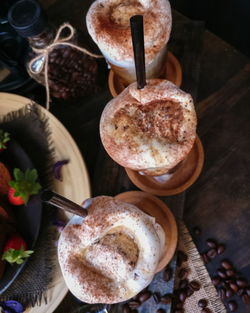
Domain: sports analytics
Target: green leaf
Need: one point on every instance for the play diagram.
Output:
(25, 183)
(16, 256)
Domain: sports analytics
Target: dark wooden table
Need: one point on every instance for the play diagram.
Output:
(218, 77)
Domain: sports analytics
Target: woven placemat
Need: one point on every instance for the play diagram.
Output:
(196, 272)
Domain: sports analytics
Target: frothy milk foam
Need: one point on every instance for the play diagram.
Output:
(113, 254)
(109, 26)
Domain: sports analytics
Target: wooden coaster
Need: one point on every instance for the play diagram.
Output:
(163, 216)
(184, 176)
(172, 72)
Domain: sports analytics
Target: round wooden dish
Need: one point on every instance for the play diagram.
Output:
(185, 175)
(172, 72)
(163, 216)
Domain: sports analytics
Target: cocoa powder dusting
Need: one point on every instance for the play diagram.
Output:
(157, 119)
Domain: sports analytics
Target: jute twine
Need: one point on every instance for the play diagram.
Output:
(43, 55)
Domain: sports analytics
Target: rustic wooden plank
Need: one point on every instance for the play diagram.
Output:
(212, 108)
(219, 200)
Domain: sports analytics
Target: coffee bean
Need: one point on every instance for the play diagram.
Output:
(202, 303)
(212, 253)
(232, 306)
(189, 292)
(160, 311)
(248, 291)
(221, 272)
(195, 286)
(181, 257)
(183, 296)
(234, 287)
(226, 265)
(221, 249)
(183, 284)
(205, 310)
(211, 243)
(229, 293)
(156, 297)
(166, 299)
(216, 280)
(222, 293)
(230, 273)
(144, 296)
(245, 298)
(183, 274)
(133, 304)
(197, 231)
(241, 282)
(126, 309)
(205, 258)
(167, 274)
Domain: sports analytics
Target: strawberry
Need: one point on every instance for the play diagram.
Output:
(4, 179)
(23, 186)
(15, 250)
(15, 200)
(4, 138)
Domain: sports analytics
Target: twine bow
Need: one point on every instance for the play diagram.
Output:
(43, 55)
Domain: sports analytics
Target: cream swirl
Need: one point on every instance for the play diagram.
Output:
(151, 129)
(108, 25)
(113, 254)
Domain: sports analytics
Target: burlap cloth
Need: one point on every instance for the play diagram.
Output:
(199, 273)
(30, 129)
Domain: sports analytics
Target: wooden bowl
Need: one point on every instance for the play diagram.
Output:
(163, 216)
(185, 175)
(172, 72)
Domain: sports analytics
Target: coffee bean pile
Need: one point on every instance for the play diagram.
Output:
(228, 281)
(71, 73)
(186, 288)
(214, 250)
(143, 296)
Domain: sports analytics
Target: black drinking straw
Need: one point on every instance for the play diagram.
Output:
(136, 25)
(60, 202)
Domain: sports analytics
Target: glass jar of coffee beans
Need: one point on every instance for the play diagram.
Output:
(70, 73)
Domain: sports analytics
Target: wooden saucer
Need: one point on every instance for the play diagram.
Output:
(185, 175)
(163, 216)
(172, 73)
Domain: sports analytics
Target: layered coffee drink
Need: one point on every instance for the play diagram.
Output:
(149, 130)
(108, 23)
(112, 254)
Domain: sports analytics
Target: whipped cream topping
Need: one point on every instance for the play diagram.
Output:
(151, 129)
(113, 254)
(108, 23)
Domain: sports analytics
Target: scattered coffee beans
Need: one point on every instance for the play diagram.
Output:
(221, 249)
(202, 303)
(183, 273)
(166, 299)
(144, 296)
(232, 306)
(181, 257)
(133, 304)
(167, 274)
(211, 243)
(194, 285)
